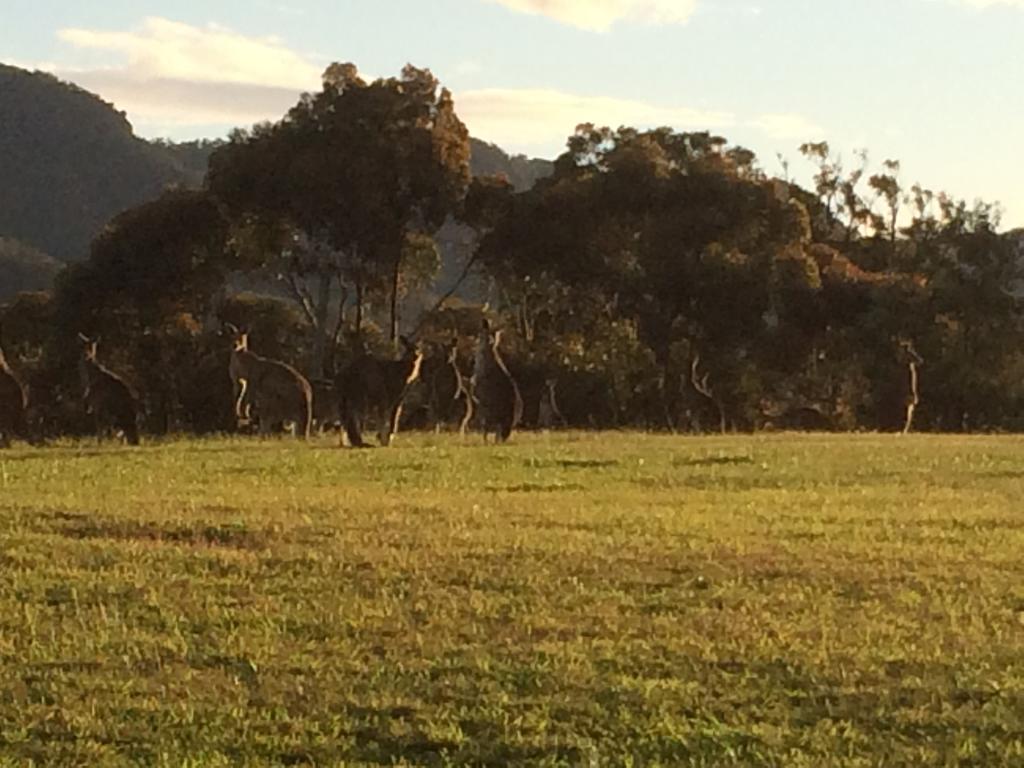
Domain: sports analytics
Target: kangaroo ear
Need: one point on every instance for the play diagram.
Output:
(83, 338)
(230, 328)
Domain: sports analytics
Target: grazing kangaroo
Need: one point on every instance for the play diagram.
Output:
(13, 405)
(274, 390)
(496, 393)
(107, 396)
(805, 418)
(375, 388)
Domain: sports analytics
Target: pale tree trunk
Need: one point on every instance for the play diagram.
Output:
(316, 310)
(322, 308)
(396, 274)
(359, 309)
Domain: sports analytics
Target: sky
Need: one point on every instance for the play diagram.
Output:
(935, 84)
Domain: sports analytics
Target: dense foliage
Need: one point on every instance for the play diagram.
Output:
(658, 279)
(69, 162)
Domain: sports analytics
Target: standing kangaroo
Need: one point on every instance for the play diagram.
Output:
(13, 405)
(274, 390)
(548, 413)
(448, 396)
(107, 396)
(463, 387)
(912, 398)
(374, 387)
(496, 393)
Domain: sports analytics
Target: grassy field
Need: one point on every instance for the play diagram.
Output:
(568, 599)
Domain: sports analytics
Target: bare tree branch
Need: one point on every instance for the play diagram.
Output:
(301, 295)
(448, 294)
(703, 386)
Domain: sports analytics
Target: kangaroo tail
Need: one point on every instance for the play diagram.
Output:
(309, 417)
(131, 432)
(351, 424)
(517, 407)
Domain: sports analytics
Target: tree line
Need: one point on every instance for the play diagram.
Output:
(656, 279)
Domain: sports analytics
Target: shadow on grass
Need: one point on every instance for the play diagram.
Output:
(571, 463)
(535, 487)
(481, 749)
(713, 461)
(236, 536)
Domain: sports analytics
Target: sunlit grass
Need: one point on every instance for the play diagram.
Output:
(568, 599)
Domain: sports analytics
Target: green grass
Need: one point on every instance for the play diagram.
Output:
(568, 599)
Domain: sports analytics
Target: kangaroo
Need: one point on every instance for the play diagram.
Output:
(538, 389)
(274, 390)
(107, 396)
(326, 410)
(376, 387)
(463, 387)
(449, 401)
(548, 413)
(912, 398)
(496, 393)
(13, 405)
(806, 418)
(897, 387)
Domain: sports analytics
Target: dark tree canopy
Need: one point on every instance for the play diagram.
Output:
(334, 196)
(660, 278)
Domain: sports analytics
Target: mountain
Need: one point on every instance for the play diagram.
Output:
(69, 162)
(521, 171)
(23, 268)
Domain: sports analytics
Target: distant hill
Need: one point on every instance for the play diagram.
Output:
(521, 171)
(69, 162)
(23, 268)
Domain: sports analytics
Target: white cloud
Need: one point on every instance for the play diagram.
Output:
(176, 75)
(164, 49)
(172, 74)
(31, 66)
(787, 126)
(176, 102)
(990, 3)
(521, 118)
(600, 15)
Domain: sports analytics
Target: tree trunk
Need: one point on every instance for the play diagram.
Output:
(396, 273)
(330, 359)
(359, 310)
(321, 333)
